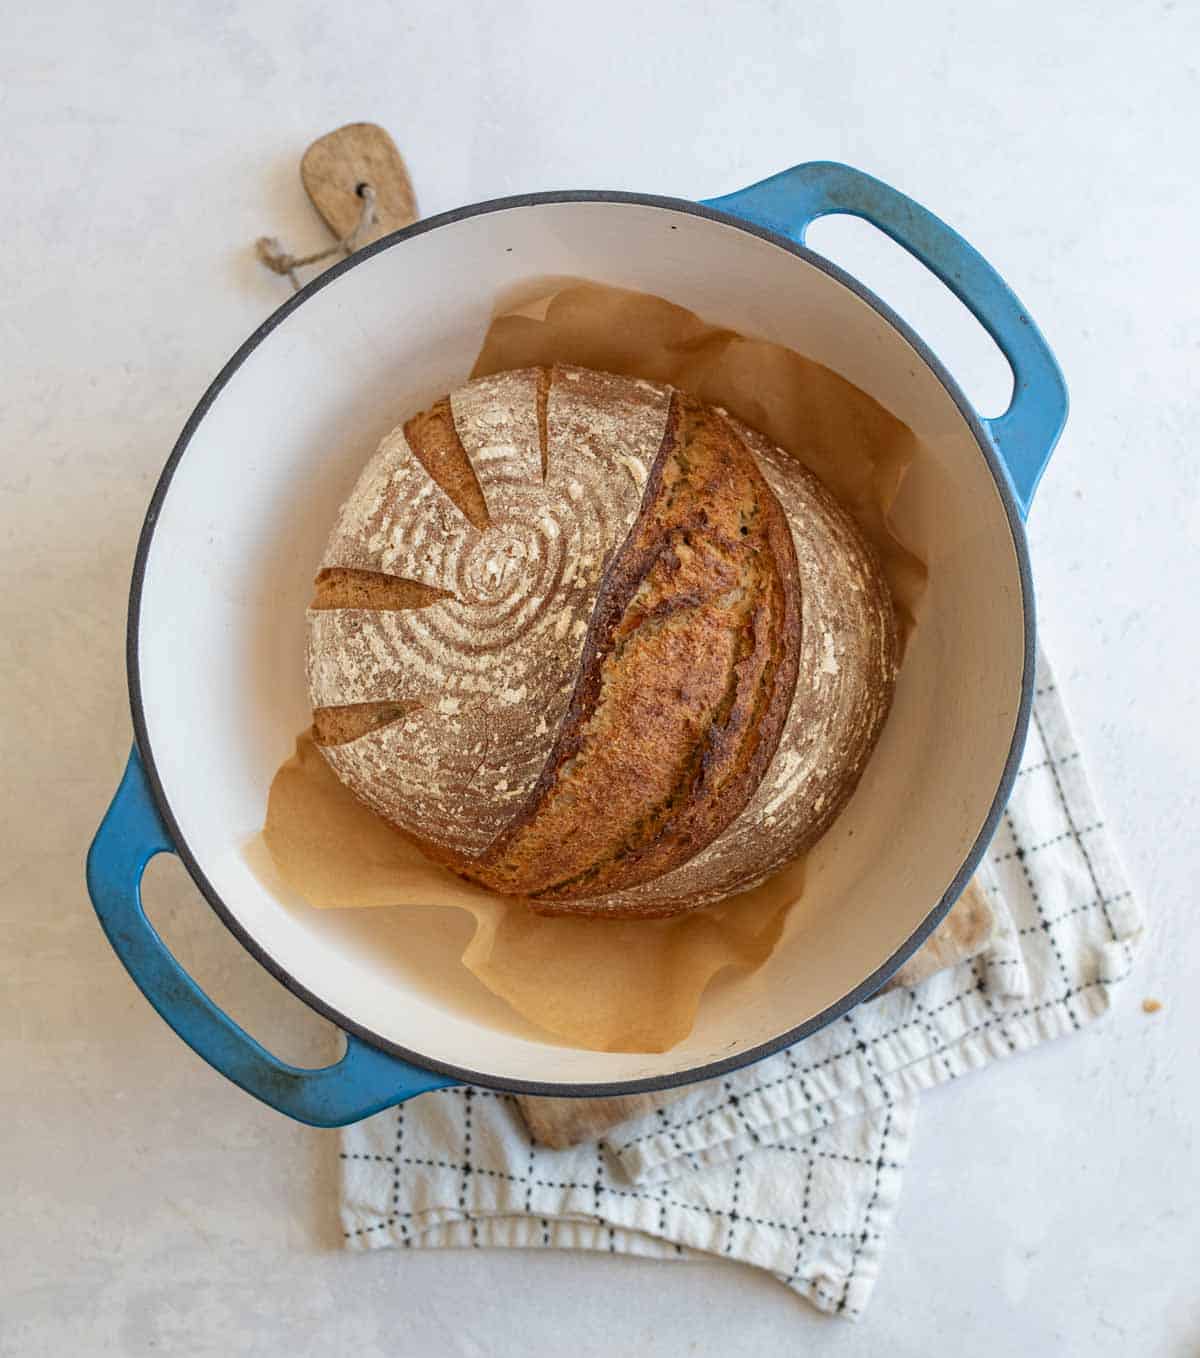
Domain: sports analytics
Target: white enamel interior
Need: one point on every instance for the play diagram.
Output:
(242, 526)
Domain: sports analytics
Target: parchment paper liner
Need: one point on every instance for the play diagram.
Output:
(600, 984)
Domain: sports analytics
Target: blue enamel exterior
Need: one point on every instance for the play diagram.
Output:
(368, 1079)
(361, 1083)
(1024, 436)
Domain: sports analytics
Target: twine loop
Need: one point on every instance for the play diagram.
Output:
(271, 251)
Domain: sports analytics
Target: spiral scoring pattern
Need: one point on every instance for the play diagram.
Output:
(493, 664)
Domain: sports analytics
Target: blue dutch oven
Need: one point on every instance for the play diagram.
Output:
(238, 518)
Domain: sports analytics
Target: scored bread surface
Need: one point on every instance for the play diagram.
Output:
(594, 644)
(493, 662)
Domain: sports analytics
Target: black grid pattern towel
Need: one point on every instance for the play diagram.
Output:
(795, 1163)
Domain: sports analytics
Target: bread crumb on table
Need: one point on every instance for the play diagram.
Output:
(1151, 1006)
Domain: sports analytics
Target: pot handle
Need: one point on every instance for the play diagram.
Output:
(1025, 435)
(361, 1083)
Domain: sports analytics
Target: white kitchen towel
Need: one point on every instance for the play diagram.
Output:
(795, 1163)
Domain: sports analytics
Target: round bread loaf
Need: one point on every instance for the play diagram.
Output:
(592, 643)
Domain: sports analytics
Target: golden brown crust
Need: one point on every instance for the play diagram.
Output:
(433, 438)
(685, 681)
(332, 726)
(848, 665)
(542, 400)
(345, 587)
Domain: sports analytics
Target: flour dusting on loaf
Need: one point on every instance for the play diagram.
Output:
(478, 707)
(492, 664)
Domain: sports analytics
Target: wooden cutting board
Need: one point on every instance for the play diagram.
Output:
(335, 170)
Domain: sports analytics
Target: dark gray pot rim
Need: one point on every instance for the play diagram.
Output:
(864, 989)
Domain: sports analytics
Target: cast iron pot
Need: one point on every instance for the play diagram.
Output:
(239, 516)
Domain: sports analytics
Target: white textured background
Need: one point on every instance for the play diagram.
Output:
(146, 1206)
